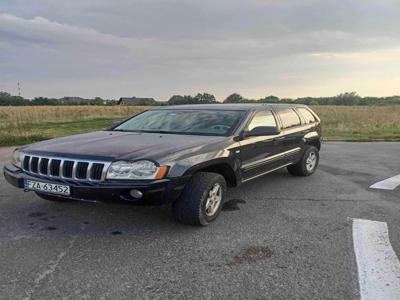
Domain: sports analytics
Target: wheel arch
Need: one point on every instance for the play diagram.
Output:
(313, 139)
(315, 143)
(225, 167)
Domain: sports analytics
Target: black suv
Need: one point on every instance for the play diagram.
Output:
(186, 155)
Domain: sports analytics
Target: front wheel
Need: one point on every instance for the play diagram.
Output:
(307, 164)
(201, 200)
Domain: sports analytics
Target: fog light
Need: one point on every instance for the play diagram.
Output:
(136, 194)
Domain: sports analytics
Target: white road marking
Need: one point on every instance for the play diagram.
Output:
(377, 263)
(387, 184)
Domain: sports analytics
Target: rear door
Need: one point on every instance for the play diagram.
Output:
(293, 132)
(259, 154)
(311, 125)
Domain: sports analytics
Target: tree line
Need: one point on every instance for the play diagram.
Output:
(7, 99)
(352, 98)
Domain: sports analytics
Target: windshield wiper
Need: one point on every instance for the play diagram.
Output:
(158, 131)
(145, 131)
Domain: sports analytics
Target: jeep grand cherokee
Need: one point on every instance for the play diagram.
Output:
(185, 155)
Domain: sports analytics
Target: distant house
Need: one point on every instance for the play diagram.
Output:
(136, 101)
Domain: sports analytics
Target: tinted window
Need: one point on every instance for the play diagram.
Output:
(262, 118)
(308, 116)
(289, 118)
(197, 122)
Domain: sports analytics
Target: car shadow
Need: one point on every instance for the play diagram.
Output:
(32, 217)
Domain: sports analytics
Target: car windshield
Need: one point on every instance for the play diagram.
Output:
(194, 122)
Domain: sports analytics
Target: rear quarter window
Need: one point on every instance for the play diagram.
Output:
(289, 118)
(307, 115)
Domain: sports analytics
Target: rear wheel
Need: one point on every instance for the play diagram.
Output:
(52, 197)
(201, 200)
(307, 164)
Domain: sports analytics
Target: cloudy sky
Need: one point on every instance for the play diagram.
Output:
(157, 48)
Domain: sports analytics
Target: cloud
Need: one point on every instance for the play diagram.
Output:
(157, 48)
(41, 30)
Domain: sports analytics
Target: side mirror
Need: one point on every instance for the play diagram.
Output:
(263, 130)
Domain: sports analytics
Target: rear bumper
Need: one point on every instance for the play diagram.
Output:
(154, 192)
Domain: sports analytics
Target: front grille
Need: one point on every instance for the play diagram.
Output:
(96, 171)
(55, 167)
(81, 170)
(65, 168)
(68, 168)
(44, 165)
(34, 164)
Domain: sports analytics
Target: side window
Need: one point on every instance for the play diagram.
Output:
(262, 118)
(308, 116)
(289, 118)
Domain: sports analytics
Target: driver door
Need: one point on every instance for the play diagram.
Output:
(260, 154)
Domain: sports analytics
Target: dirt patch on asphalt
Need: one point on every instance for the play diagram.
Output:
(252, 254)
(37, 214)
(50, 228)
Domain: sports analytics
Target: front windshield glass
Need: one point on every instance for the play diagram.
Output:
(196, 122)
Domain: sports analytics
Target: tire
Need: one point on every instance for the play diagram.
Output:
(303, 167)
(52, 197)
(190, 208)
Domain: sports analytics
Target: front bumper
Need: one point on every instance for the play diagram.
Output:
(154, 191)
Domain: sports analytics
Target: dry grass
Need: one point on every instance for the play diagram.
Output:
(360, 123)
(25, 124)
(37, 114)
(21, 125)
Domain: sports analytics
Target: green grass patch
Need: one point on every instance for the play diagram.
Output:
(48, 130)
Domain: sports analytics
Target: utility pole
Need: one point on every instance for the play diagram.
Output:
(19, 89)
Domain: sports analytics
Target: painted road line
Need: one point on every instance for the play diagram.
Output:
(387, 184)
(377, 263)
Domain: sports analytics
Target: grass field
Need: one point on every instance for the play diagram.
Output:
(22, 125)
(360, 123)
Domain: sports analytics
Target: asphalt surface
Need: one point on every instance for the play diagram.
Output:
(279, 237)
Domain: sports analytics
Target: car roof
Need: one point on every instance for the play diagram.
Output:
(230, 106)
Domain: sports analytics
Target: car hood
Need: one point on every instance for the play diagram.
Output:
(117, 145)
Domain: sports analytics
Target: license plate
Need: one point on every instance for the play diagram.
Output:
(45, 187)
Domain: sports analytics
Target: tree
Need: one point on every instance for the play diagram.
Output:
(347, 99)
(204, 98)
(45, 101)
(97, 101)
(7, 99)
(234, 98)
(176, 100)
(269, 99)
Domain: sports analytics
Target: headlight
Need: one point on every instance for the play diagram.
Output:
(142, 169)
(16, 158)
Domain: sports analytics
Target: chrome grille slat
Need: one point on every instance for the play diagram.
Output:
(49, 167)
(90, 174)
(39, 166)
(89, 170)
(30, 163)
(61, 168)
(74, 166)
